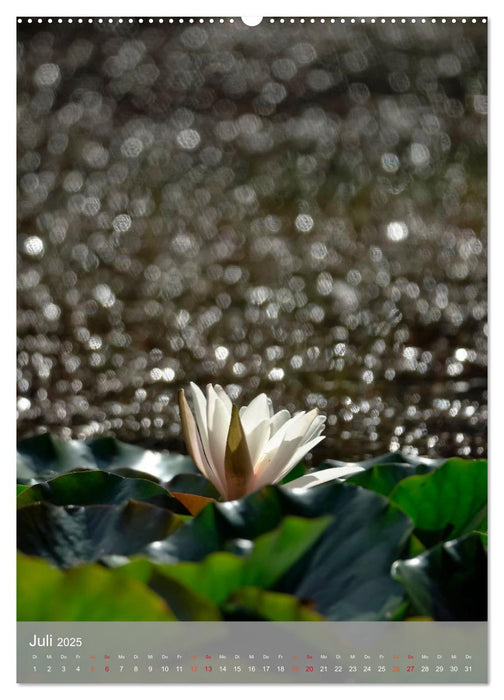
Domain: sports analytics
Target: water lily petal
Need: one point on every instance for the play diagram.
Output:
(280, 454)
(301, 423)
(193, 441)
(257, 440)
(254, 413)
(200, 401)
(276, 440)
(278, 420)
(322, 476)
(315, 428)
(223, 397)
(218, 420)
(270, 465)
(301, 451)
(200, 413)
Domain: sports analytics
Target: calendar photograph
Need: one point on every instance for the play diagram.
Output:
(251, 325)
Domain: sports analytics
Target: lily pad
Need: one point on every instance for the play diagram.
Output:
(112, 454)
(45, 456)
(383, 478)
(346, 574)
(448, 502)
(88, 593)
(196, 589)
(268, 558)
(186, 603)
(92, 487)
(448, 582)
(192, 483)
(70, 536)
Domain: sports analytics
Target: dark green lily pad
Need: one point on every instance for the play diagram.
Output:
(448, 582)
(88, 593)
(222, 523)
(132, 474)
(95, 487)
(186, 586)
(112, 454)
(269, 557)
(70, 536)
(447, 503)
(346, 574)
(383, 478)
(43, 457)
(192, 483)
(109, 453)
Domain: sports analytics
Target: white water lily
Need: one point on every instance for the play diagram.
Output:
(241, 450)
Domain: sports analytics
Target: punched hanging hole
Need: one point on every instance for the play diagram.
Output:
(251, 21)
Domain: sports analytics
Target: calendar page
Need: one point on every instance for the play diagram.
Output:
(252, 349)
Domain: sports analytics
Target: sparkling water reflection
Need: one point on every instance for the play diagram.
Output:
(295, 209)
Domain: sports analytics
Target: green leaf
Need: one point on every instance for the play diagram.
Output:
(270, 556)
(196, 590)
(383, 478)
(192, 483)
(347, 571)
(448, 582)
(69, 536)
(88, 593)
(191, 599)
(446, 503)
(255, 604)
(20, 488)
(96, 487)
(186, 603)
(112, 454)
(43, 457)
(274, 553)
(346, 576)
(416, 547)
(220, 523)
(214, 578)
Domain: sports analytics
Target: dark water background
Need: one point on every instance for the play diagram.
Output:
(294, 208)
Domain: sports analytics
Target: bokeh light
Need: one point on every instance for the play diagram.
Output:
(298, 209)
